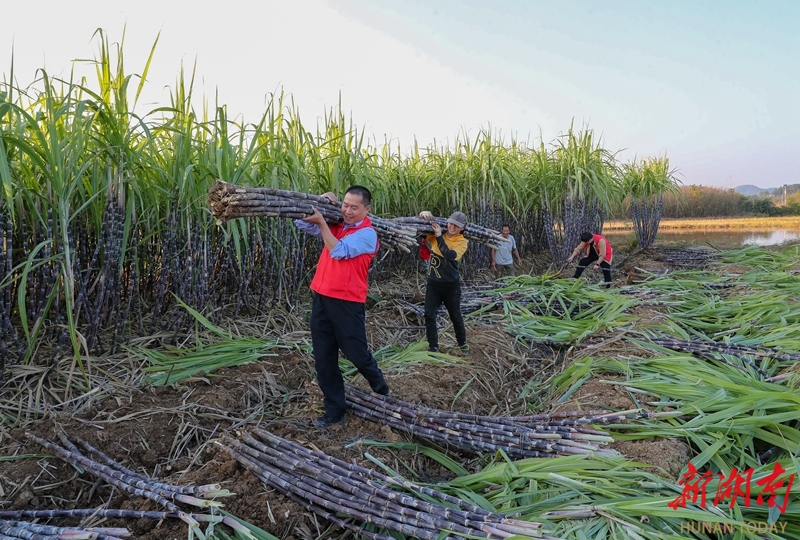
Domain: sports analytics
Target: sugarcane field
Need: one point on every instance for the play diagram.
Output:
(158, 377)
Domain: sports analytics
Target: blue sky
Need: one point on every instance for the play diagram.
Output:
(715, 85)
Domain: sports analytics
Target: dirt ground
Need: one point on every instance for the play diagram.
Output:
(169, 432)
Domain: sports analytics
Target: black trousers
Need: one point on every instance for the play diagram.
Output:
(437, 293)
(340, 325)
(586, 261)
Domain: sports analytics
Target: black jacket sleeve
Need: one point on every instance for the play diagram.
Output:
(447, 253)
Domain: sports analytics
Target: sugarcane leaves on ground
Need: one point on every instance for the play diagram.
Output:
(242, 529)
(560, 311)
(432, 453)
(576, 495)
(169, 366)
(527, 326)
(174, 365)
(397, 359)
(715, 402)
(782, 259)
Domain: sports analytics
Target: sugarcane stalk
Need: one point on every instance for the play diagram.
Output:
(69, 532)
(704, 348)
(34, 531)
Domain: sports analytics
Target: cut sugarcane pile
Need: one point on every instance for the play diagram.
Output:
(330, 488)
(229, 201)
(22, 530)
(471, 232)
(694, 257)
(517, 436)
(105, 468)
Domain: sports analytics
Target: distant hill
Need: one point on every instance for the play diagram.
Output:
(749, 189)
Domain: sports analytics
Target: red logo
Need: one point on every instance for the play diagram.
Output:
(732, 487)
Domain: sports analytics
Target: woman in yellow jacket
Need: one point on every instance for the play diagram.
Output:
(444, 280)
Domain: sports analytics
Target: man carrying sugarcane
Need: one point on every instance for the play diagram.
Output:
(596, 249)
(339, 293)
(444, 281)
(502, 261)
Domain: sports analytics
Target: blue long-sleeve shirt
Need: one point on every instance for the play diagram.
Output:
(352, 245)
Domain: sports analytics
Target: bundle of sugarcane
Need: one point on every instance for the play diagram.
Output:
(132, 482)
(330, 488)
(715, 349)
(229, 201)
(520, 437)
(23, 530)
(471, 232)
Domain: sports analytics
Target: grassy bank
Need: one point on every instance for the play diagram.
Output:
(750, 223)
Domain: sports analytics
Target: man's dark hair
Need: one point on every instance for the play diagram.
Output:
(504, 226)
(586, 237)
(366, 196)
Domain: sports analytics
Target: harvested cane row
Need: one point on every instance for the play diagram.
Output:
(137, 484)
(697, 257)
(714, 349)
(330, 487)
(519, 437)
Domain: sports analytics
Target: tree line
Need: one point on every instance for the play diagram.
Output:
(695, 201)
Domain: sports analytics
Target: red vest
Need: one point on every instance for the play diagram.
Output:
(609, 251)
(345, 279)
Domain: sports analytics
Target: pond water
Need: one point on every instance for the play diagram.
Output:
(726, 238)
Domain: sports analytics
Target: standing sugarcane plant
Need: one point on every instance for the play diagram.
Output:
(580, 181)
(645, 183)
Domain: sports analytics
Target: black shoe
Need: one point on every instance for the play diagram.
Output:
(383, 390)
(464, 347)
(327, 421)
(433, 349)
